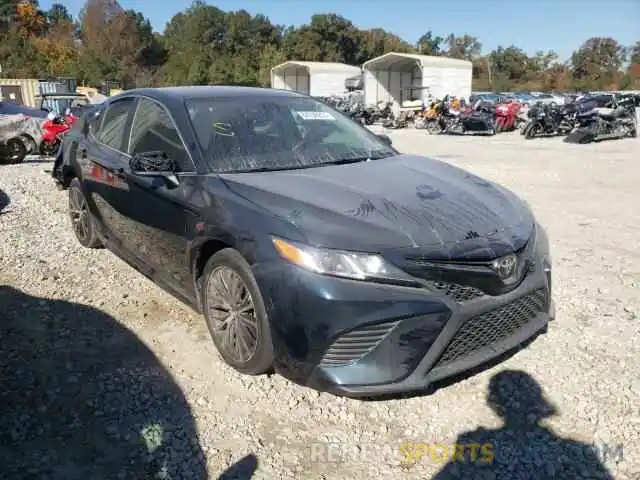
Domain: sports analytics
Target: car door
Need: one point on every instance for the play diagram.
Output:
(160, 215)
(102, 158)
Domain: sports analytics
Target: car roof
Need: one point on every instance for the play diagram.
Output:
(172, 94)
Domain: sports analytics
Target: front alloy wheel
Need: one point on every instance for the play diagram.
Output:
(232, 313)
(235, 313)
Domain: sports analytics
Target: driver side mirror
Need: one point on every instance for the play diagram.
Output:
(154, 164)
(385, 138)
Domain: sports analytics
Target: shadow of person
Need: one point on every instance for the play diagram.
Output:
(4, 200)
(81, 397)
(521, 448)
(243, 469)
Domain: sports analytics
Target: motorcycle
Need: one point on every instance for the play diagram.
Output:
(381, 112)
(606, 123)
(481, 119)
(550, 120)
(54, 129)
(507, 117)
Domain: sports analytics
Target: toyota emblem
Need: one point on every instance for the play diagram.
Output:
(505, 267)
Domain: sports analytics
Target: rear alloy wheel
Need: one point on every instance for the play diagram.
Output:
(81, 218)
(235, 313)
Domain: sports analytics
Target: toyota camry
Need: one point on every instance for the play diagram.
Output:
(310, 245)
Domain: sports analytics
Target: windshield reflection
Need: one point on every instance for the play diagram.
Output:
(278, 133)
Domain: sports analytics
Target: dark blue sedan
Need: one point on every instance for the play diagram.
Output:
(310, 245)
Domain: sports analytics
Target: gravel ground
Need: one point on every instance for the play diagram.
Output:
(103, 375)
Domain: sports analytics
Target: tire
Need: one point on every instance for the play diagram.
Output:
(16, 152)
(233, 269)
(82, 221)
(49, 149)
(532, 131)
(433, 127)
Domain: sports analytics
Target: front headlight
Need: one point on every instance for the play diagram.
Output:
(340, 263)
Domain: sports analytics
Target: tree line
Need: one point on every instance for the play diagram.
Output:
(205, 45)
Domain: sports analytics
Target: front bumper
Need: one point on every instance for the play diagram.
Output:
(359, 338)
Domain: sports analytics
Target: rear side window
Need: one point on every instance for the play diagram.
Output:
(112, 129)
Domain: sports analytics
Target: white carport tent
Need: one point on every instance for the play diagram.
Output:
(318, 79)
(387, 76)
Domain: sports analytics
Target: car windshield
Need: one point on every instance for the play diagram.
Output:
(278, 133)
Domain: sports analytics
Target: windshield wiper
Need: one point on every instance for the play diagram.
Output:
(268, 169)
(344, 161)
(373, 156)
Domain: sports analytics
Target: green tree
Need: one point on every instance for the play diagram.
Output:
(57, 14)
(465, 47)
(598, 62)
(429, 45)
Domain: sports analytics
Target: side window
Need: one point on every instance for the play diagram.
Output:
(112, 129)
(153, 130)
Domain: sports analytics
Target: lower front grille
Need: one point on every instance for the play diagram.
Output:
(354, 345)
(494, 326)
(460, 293)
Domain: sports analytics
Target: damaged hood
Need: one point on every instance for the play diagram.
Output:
(402, 201)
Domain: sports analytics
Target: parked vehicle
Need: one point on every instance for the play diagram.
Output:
(507, 117)
(485, 98)
(17, 133)
(289, 227)
(381, 112)
(19, 124)
(525, 99)
(58, 103)
(602, 123)
(545, 98)
(479, 120)
(54, 130)
(550, 120)
(8, 108)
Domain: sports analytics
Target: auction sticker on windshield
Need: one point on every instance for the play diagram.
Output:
(316, 116)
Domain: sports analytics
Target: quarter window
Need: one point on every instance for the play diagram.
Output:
(153, 131)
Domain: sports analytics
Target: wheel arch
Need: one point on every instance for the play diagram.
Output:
(70, 168)
(200, 255)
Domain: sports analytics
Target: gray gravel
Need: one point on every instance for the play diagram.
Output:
(103, 375)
